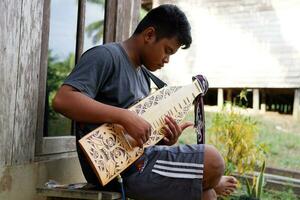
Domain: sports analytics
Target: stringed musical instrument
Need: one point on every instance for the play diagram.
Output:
(110, 150)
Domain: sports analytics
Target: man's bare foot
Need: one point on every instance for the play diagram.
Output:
(226, 186)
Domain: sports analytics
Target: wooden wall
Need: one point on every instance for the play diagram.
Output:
(23, 72)
(21, 28)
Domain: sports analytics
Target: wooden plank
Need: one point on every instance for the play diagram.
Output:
(41, 158)
(127, 18)
(283, 172)
(135, 15)
(78, 194)
(121, 18)
(60, 144)
(27, 81)
(110, 21)
(42, 77)
(10, 34)
(80, 29)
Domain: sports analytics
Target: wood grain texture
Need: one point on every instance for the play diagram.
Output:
(27, 81)
(42, 79)
(121, 18)
(9, 52)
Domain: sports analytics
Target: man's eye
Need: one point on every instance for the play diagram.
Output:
(168, 51)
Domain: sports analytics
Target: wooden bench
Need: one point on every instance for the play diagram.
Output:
(76, 194)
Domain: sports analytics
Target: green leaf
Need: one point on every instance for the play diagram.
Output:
(248, 187)
(260, 181)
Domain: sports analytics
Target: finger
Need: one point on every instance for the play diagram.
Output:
(173, 126)
(232, 186)
(144, 138)
(226, 193)
(186, 125)
(230, 190)
(168, 133)
(149, 133)
(140, 143)
(174, 123)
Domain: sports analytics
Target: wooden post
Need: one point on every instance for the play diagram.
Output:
(41, 128)
(296, 109)
(21, 35)
(256, 99)
(263, 106)
(79, 41)
(80, 29)
(121, 19)
(10, 21)
(229, 96)
(220, 98)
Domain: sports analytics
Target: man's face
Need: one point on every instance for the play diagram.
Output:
(157, 53)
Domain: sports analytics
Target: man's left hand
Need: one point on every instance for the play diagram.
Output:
(172, 130)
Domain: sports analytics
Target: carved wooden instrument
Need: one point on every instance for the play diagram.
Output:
(110, 150)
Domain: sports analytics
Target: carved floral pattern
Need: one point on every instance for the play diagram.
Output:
(107, 148)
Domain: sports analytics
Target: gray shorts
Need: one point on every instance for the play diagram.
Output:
(168, 172)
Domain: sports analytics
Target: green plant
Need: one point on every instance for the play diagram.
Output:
(57, 72)
(255, 190)
(235, 136)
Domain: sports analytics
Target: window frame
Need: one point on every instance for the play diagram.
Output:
(64, 145)
(116, 28)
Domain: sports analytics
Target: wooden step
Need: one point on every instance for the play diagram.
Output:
(76, 194)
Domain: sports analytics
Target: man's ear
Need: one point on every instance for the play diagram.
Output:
(149, 34)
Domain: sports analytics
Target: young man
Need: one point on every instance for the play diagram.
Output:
(108, 79)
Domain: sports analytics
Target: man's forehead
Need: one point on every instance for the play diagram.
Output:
(173, 43)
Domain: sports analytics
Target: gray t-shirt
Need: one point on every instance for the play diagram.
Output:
(106, 74)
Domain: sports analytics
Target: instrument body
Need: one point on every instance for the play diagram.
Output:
(110, 150)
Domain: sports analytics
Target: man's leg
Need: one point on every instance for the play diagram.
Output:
(213, 167)
(209, 195)
(213, 173)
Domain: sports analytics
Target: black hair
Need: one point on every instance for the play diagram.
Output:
(168, 21)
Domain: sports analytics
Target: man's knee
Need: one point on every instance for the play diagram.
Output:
(213, 167)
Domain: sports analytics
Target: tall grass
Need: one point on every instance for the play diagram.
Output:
(283, 144)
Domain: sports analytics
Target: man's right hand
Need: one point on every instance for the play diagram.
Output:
(90, 111)
(138, 128)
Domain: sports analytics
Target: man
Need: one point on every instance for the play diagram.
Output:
(108, 79)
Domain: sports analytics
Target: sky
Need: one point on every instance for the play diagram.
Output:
(63, 18)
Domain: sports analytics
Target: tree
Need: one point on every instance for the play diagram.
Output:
(95, 29)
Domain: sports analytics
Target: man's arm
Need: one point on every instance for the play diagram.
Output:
(81, 108)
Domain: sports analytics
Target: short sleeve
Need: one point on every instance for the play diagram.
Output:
(92, 71)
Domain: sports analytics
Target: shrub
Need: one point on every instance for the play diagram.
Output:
(235, 136)
(256, 189)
